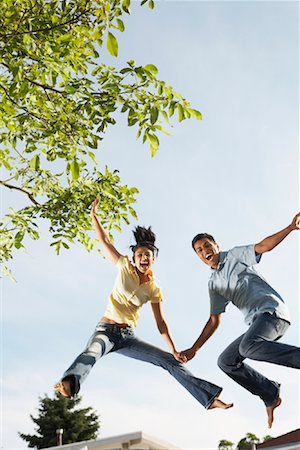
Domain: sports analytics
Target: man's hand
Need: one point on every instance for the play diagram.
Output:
(188, 354)
(295, 224)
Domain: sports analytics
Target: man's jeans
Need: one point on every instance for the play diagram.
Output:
(111, 338)
(258, 343)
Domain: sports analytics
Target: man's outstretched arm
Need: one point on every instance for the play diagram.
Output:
(208, 330)
(270, 242)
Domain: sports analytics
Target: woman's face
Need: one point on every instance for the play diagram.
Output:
(143, 258)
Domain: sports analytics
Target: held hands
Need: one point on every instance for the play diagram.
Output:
(295, 224)
(179, 357)
(188, 354)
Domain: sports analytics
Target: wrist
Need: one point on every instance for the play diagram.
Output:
(194, 348)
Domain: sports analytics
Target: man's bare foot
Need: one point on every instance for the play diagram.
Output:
(64, 388)
(217, 403)
(270, 411)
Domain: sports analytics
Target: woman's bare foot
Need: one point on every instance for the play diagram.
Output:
(217, 403)
(270, 411)
(64, 388)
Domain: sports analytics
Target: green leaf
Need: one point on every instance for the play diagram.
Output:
(112, 44)
(75, 169)
(195, 113)
(160, 128)
(153, 139)
(35, 163)
(125, 70)
(153, 151)
(151, 68)
(121, 25)
(154, 112)
(117, 227)
(180, 110)
(151, 4)
(172, 108)
(165, 115)
(133, 213)
(125, 6)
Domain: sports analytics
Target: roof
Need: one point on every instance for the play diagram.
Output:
(289, 440)
(131, 441)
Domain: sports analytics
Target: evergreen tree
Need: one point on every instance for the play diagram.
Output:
(60, 412)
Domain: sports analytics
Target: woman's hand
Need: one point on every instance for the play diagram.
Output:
(94, 207)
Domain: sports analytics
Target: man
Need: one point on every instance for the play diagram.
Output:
(234, 279)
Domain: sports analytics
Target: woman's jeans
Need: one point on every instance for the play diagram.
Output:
(111, 338)
(258, 343)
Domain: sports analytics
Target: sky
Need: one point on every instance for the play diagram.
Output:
(235, 174)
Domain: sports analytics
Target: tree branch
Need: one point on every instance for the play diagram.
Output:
(45, 86)
(23, 107)
(42, 30)
(17, 188)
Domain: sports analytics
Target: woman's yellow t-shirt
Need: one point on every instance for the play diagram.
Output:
(129, 295)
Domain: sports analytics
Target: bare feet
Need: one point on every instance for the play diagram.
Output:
(64, 388)
(270, 411)
(217, 403)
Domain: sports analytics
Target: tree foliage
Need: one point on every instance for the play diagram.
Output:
(247, 441)
(244, 444)
(60, 412)
(57, 99)
(224, 444)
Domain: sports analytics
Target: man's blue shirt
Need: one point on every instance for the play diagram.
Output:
(236, 280)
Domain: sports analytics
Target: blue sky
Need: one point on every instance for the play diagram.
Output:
(234, 174)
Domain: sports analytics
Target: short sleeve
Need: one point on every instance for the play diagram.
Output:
(156, 295)
(246, 254)
(218, 303)
(124, 263)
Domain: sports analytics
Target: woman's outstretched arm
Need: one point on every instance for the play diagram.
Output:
(164, 330)
(103, 237)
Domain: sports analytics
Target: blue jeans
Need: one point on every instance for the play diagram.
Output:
(111, 338)
(259, 343)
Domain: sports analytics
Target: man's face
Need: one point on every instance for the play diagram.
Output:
(208, 252)
(143, 259)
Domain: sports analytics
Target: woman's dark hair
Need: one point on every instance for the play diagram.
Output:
(200, 236)
(144, 237)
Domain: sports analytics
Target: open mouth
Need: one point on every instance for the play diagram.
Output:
(144, 265)
(209, 256)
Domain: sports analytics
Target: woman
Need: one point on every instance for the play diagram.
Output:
(134, 286)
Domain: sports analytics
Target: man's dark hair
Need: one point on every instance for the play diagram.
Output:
(200, 236)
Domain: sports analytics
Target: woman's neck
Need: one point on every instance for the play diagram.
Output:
(144, 277)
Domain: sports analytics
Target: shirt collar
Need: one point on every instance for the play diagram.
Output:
(222, 260)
